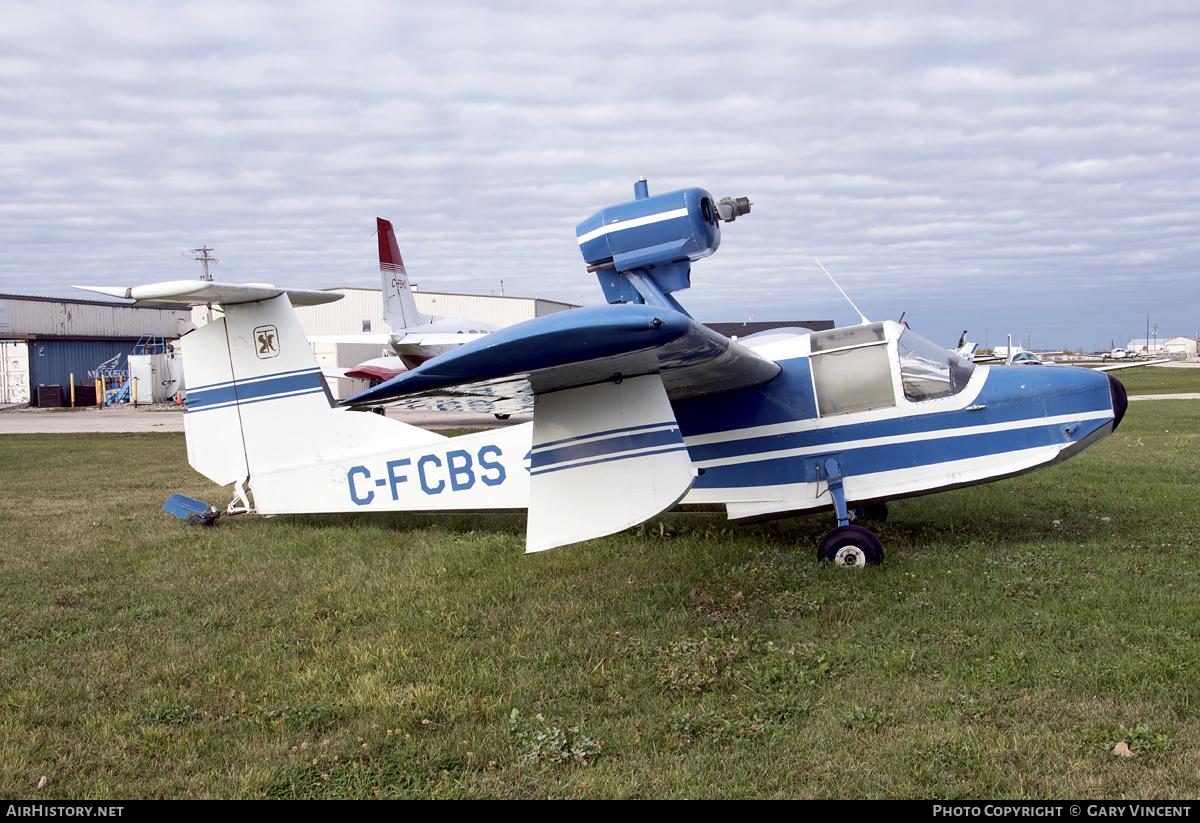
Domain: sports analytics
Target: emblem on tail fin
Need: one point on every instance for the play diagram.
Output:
(266, 340)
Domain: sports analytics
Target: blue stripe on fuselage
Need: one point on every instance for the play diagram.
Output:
(253, 390)
(881, 457)
(613, 444)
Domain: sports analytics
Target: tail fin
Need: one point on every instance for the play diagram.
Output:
(399, 307)
(259, 415)
(258, 405)
(261, 412)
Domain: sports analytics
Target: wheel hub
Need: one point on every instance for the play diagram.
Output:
(850, 556)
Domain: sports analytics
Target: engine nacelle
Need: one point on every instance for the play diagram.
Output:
(657, 237)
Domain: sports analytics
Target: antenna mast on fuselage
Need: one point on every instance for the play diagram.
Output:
(862, 317)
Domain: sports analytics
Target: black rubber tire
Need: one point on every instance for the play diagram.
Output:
(851, 547)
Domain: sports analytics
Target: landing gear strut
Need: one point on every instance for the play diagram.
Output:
(850, 546)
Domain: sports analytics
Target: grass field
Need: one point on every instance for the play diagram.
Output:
(1014, 636)
(1157, 380)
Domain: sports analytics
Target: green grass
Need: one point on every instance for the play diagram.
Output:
(1159, 380)
(1014, 634)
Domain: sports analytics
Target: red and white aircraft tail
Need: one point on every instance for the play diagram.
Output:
(415, 337)
(399, 307)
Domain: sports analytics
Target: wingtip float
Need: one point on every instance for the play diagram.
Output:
(636, 407)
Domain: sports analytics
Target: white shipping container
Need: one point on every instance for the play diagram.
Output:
(14, 375)
(152, 376)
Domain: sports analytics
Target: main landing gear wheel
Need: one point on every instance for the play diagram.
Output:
(502, 416)
(851, 547)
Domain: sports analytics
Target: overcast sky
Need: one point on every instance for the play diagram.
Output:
(1020, 167)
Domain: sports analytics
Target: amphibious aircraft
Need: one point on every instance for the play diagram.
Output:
(415, 337)
(636, 407)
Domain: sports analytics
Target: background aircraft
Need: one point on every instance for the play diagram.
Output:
(415, 337)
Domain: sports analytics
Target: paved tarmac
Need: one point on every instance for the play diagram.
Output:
(1186, 396)
(23, 420)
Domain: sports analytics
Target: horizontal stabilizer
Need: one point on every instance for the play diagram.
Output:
(577, 348)
(181, 506)
(193, 511)
(206, 292)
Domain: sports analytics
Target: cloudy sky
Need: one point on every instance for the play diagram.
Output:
(1020, 167)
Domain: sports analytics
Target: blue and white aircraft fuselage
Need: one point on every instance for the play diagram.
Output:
(636, 406)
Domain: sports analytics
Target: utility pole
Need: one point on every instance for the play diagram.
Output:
(201, 255)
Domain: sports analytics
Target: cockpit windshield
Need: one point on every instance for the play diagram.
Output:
(928, 371)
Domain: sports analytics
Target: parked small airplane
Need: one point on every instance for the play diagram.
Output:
(415, 337)
(1029, 358)
(1026, 358)
(636, 407)
(965, 349)
(1114, 352)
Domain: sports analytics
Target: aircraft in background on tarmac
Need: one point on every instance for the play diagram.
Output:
(415, 337)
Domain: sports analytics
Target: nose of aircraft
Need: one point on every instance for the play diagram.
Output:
(1120, 400)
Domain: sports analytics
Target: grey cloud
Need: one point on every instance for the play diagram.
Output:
(1028, 163)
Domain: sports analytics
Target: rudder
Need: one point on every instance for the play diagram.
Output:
(259, 404)
(399, 306)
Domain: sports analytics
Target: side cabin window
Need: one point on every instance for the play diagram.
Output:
(851, 370)
(928, 371)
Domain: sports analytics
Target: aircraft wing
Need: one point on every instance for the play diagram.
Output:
(205, 292)
(400, 338)
(413, 338)
(372, 339)
(1132, 365)
(412, 347)
(503, 371)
